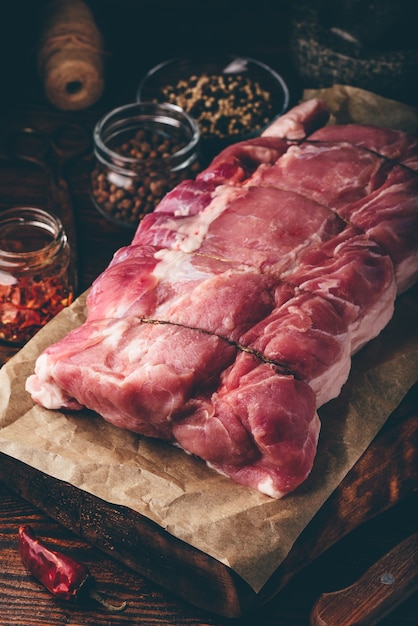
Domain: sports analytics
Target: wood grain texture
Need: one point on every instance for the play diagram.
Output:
(387, 583)
(26, 603)
(336, 548)
(192, 575)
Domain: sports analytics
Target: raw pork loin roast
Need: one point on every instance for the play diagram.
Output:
(233, 314)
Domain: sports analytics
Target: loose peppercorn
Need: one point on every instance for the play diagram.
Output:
(223, 105)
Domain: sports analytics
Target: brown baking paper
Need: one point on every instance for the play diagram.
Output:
(243, 529)
(349, 104)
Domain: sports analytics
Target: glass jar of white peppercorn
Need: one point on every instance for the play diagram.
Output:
(142, 151)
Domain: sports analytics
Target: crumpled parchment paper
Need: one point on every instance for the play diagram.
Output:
(243, 529)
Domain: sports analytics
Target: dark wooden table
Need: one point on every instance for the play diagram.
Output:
(135, 40)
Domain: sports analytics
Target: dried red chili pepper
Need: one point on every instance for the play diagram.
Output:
(64, 577)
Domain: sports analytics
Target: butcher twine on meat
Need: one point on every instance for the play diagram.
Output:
(233, 314)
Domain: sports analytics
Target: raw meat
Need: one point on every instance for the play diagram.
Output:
(234, 313)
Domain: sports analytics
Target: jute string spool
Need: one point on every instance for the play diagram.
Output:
(70, 56)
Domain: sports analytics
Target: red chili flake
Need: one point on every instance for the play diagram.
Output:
(29, 305)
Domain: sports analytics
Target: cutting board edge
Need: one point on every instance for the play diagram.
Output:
(140, 544)
(200, 579)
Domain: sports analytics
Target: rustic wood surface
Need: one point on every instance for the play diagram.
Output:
(377, 497)
(26, 603)
(384, 585)
(135, 40)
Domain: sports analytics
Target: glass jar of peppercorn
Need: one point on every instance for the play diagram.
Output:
(37, 278)
(232, 98)
(142, 151)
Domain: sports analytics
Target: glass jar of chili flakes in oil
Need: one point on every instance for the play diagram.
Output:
(142, 151)
(37, 278)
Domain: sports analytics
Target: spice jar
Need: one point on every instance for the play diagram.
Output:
(142, 150)
(232, 98)
(37, 278)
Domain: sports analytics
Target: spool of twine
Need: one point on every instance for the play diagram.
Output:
(70, 56)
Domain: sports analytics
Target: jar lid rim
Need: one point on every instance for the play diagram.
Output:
(35, 216)
(146, 111)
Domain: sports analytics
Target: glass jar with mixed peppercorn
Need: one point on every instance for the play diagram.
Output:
(142, 151)
(37, 278)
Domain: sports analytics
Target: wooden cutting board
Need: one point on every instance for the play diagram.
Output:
(385, 474)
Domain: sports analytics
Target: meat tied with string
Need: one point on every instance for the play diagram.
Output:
(235, 311)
